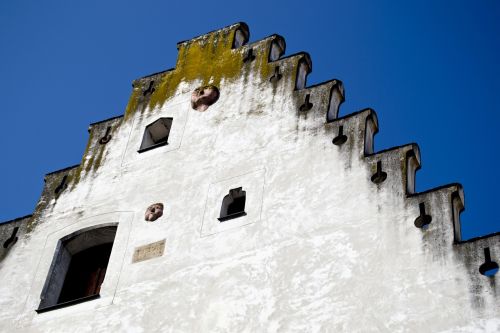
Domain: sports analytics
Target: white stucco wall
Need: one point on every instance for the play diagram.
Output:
(321, 249)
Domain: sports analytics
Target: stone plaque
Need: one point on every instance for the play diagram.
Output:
(149, 251)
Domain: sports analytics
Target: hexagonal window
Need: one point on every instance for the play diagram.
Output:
(156, 134)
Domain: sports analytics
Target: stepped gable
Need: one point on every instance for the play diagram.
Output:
(225, 55)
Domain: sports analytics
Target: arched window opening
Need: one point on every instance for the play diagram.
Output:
(277, 48)
(86, 273)
(78, 268)
(233, 204)
(304, 68)
(241, 36)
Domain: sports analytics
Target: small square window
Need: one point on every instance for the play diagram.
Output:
(233, 205)
(156, 134)
(233, 202)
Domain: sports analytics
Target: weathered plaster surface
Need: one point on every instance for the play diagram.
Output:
(321, 249)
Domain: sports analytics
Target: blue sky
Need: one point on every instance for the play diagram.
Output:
(429, 68)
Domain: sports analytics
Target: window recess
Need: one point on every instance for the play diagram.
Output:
(156, 134)
(233, 205)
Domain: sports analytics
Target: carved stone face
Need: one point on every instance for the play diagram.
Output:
(154, 212)
(203, 97)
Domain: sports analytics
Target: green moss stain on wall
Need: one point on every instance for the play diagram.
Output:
(98, 159)
(133, 102)
(94, 151)
(209, 59)
(82, 164)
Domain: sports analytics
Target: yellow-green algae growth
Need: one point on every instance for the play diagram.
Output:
(82, 164)
(208, 59)
(98, 159)
(94, 162)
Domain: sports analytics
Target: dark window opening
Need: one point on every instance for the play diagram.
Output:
(156, 134)
(237, 206)
(233, 205)
(78, 268)
(86, 273)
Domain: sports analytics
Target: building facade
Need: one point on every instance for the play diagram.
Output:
(230, 197)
